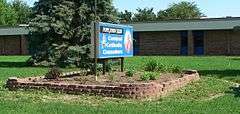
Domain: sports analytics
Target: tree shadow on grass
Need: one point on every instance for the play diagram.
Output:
(235, 91)
(220, 73)
(236, 59)
(13, 64)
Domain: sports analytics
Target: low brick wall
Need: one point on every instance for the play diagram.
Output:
(126, 90)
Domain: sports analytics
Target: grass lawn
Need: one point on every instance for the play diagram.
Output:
(210, 95)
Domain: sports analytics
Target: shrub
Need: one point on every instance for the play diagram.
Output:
(149, 76)
(151, 66)
(145, 77)
(130, 73)
(161, 68)
(54, 73)
(175, 69)
(154, 75)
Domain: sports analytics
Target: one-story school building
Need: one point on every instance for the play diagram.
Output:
(13, 40)
(214, 36)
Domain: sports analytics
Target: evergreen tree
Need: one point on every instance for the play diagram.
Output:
(61, 30)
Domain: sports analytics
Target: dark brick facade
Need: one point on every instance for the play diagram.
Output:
(159, 43)
(222, 42)
(216, 42)
(13, 45)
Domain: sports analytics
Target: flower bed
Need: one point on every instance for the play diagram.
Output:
(136, 90)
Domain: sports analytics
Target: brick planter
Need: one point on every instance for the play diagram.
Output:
(125, 90)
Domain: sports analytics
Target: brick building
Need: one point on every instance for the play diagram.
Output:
(13, 40)
(216, 36)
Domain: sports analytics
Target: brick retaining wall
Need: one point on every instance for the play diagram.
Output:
(126, 90)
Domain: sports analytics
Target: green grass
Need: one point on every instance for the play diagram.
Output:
(220, 67)
(210, 95)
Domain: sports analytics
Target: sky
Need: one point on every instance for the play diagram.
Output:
(211, 8)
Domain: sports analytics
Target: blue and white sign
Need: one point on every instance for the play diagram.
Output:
(114, 40)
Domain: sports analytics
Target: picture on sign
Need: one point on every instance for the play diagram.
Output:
(113, 40)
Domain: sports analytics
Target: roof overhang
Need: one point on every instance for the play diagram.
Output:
(182, 25)
(10, 31)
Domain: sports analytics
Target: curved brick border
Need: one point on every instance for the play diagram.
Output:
(126, 90)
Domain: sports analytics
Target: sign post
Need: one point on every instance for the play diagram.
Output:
(111, 41)
(122, 64)
(95, 50)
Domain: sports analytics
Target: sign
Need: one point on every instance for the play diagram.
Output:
(112, 40)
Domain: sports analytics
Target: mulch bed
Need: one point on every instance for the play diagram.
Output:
(111, 79)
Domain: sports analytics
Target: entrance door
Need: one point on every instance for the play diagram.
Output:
(198, 37)
(184, 43)
(136, 43)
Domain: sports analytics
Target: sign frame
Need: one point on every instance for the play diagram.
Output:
(107, 38)
(121, 31)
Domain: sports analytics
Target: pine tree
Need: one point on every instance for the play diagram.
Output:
(61, 30)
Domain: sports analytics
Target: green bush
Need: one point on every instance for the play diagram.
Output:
(175, 69)
(161, 68)
(149, 76)
(130, 73)
(151, 66)
(145, 77)
(154, 75)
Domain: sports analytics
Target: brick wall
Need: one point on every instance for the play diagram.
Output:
(222, 42)
(216, 42)
(159, 43)
(235, 43)
(125, 90)
(13, 45)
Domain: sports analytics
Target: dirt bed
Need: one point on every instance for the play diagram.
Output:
(113, 79)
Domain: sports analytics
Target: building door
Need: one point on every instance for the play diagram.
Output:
(198, 38)
(136, 43)
(184, 43)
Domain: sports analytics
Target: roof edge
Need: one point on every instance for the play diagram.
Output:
(186, 20)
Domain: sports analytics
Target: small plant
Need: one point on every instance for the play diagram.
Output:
(130, 73)
(54, 73)
(175, 69)
(151, 66)
(149, 76)
(161, 68)
(145, 77)
(154, 75)
(111, 76)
